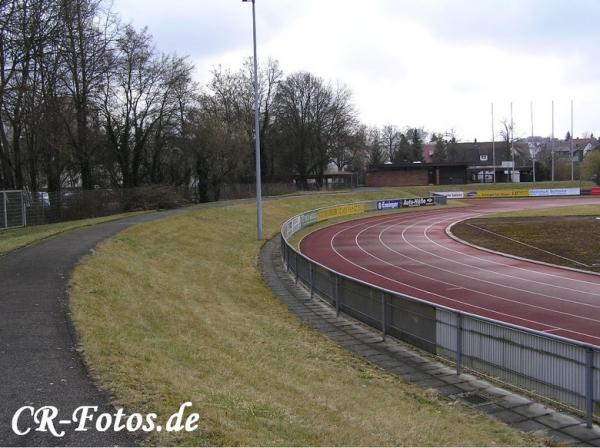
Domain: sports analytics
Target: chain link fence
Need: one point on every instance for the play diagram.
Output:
(20, 208)
(67, 205)
(23, 208)
(12, 209)
(548, 366)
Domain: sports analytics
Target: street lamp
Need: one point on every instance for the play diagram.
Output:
(512, 144)
(552, 141)
(571, 146)
(259, 226)
(533, 145)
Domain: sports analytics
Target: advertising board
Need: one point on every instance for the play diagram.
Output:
(403, 203)
(308, 219)
(451, 194)
(497, 194)
(538, 192)
(342, 210)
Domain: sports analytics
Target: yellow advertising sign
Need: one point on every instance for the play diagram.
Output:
(497, 194)
(342, 210)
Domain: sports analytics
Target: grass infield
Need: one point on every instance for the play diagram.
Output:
(175, 310)
(566, 236)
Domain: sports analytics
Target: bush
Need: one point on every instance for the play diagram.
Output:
(153, 197)
(591, 167)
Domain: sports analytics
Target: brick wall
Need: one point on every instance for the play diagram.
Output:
(397, 178)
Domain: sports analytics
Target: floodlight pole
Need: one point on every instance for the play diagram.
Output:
(552, 141)
(493, 144)
(572, 162)
(533, 153)
(512, 144)
(259, 224)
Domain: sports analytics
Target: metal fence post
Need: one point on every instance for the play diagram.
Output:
(287, 258)
(281, 245)
(383, 317)
(5, 212)
(312, 280)
(458, 344)
(284, 250)
(337, 295)
(589, 387)
(296, 265)
(24, 210)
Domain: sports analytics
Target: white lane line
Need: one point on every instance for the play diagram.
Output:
(392, 280)
(469, 277)
(494, 272)
(527, 245)
(489, 260)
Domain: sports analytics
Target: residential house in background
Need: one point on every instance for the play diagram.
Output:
(581, 146)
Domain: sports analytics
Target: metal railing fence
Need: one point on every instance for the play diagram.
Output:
(548, 366)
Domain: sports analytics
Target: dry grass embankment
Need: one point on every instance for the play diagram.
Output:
(176, 310)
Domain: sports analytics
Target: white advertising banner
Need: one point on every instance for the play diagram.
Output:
(555, 192)
(451, 194)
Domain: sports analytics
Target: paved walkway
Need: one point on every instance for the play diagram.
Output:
(39, 362)
(516, 410)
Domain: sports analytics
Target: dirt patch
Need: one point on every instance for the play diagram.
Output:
(572, 241)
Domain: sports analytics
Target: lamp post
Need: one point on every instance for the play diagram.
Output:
(552, 141)
(259, 226)
(512, 144)
(533, 145)
(571, 146)
(493, 144)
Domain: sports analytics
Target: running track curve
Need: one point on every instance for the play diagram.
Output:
(411, 254)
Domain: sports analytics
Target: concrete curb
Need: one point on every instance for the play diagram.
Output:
(448, 231)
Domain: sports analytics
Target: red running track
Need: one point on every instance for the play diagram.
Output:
(410, 253)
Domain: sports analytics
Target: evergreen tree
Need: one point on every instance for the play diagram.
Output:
(404, 150)
(376, 155)
(452, 150)
(440, 154)
(416, 145)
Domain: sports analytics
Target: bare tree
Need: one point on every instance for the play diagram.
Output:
(142, 96)
(377, 154)
(506, 133)
(221, 135)
(88, 29)
(28, 30)
(390, 138)
(310, 116)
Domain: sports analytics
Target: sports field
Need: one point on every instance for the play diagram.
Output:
(566, 236)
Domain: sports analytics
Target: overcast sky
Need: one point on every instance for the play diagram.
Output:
(432, 63)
